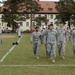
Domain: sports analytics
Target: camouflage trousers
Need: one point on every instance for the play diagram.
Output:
(61, 48)
(36, 48)
(51, 49)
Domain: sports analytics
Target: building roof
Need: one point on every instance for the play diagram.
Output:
(48, 7)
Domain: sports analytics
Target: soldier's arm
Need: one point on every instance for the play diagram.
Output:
(70, 34)
(57, 35)
(44, 33)
(65, 34)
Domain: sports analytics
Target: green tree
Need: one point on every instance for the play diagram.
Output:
(9, 18)
(73, 19)
(65, 10)
(25, 6)
(32, 7)
(40, 19)
(12, 19)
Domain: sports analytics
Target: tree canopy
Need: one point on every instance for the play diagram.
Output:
(65, 10)
(20, 9)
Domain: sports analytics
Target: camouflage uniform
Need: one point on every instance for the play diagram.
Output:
(73, 39)
(61, 40)
(51, 42)
(36, 40)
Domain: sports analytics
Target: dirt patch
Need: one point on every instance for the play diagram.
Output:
(7, 36)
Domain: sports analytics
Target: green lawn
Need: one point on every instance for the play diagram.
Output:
(22, 55)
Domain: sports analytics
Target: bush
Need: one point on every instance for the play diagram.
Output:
(27, 31)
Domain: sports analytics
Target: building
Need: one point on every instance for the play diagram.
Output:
(48, 9)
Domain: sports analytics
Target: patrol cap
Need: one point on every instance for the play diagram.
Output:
(50, 25)
(36, 27)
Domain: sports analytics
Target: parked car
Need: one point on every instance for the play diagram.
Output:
(8, 30)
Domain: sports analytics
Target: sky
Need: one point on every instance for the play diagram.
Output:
(49, 0)
(40, 0)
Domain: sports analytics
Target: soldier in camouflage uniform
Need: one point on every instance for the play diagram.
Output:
(67, 34)
(61, 40)
(51, 42)
(0, 35)
(36, 41)
(73, 39)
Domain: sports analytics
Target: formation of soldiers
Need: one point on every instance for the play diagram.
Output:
(53, 37)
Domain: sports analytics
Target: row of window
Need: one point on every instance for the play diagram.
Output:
(50, 9)
(51, 16)
(33, 24)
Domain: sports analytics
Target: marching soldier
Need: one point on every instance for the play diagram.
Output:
(61, 40)
(51, 42)
(45, 39)
(73, 39)
(36, 41)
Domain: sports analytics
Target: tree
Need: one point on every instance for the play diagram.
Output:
(32, 7)
(12, 19)
(65, 10)
(73, 19)
(9, 18)
(23, 6)
(40, 19)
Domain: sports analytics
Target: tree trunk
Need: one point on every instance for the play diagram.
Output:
(30, 21)
(13, 28)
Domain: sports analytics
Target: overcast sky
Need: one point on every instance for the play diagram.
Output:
(49, 0)
(40, 0)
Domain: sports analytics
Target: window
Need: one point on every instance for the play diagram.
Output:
(27, 24)
(45, 15)
(21, 23)
(33, 16)
(50, 9)
(42, 9)
(51, 16)
(33, 23)
(39, 15)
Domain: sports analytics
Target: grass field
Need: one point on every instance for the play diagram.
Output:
(21, 61)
